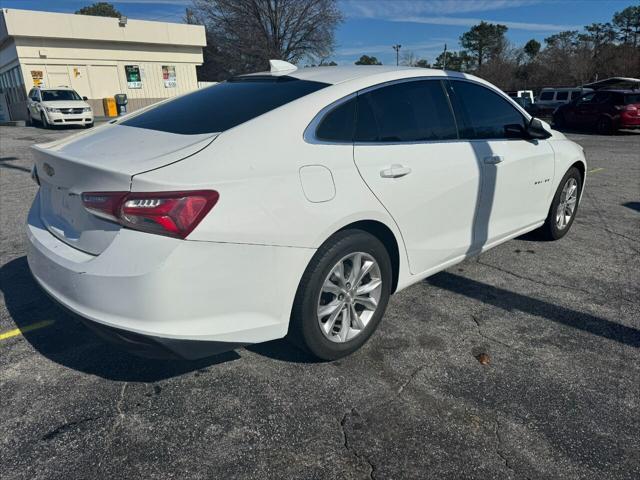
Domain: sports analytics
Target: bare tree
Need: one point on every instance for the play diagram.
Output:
(242, 35)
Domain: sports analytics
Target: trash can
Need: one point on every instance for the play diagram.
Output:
(121, 103)
(109, 105)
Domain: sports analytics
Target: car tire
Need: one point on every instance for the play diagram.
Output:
(43, 121)
(327, 318)
(604, 126)
(89, 125)
(558, 222)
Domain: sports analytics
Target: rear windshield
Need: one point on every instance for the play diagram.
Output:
(630, 98)
(54, 95)
(223, 106)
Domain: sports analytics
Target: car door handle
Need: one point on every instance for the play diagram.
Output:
(493, 159)
(395, 171)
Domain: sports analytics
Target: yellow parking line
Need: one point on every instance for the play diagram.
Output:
(19, 331)
(596, 170)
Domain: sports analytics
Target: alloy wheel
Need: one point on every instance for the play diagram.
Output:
(567, 205)
(349, 297)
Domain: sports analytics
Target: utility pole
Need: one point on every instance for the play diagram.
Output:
(397, 48)
(444, 58)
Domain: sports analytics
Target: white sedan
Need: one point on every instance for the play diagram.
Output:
(289, 203)
(58, 106)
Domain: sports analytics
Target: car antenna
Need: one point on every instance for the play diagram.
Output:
(281, 66)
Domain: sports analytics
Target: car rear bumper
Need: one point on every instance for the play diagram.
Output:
(151, 290)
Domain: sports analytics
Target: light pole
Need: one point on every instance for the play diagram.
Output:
(397, 48)
(444, 58)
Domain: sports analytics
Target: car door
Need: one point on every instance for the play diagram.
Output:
(407, 150)
(517, 172)
(32, 103)
(586, 110)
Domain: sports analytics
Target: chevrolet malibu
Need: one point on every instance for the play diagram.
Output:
(289, 203)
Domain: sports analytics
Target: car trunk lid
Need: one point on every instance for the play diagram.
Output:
(104, 160)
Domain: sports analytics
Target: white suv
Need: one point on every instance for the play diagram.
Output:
(58, 106)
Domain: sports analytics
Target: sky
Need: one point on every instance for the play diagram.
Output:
(421, 26)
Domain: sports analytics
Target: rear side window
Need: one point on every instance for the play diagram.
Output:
(482, 113)
(546, 96)
(338, 125)
(562, 96)
(405, 112)
(223, 106)
(630, 98)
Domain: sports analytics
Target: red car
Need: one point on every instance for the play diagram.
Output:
(605, 110)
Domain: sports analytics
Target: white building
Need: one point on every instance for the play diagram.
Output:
(97, 56)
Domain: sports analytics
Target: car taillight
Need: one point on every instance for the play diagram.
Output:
(627, 108)
(174, 214)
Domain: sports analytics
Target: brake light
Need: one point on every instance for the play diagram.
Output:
(627, 108)
(174, 214)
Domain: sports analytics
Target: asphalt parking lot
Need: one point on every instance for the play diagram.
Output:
(559, 397)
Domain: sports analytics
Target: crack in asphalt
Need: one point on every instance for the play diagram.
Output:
(354, 411)
(120, 413)
(349, 448)
(547, 284)
(487, 337)
(499, 450)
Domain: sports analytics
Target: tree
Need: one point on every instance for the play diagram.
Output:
(367, 60)
(100, 9)
(410, 59)
(532, 48)
(243, 35)
(627, 25)
(484, 41)
(456, 61)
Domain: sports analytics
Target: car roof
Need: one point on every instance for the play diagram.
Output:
(53, 88)
(339, 74)
(619, 90)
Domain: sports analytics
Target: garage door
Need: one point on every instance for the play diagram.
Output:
(104, 81)
(58, 76)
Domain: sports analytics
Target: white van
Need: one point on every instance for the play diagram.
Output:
(558, 96)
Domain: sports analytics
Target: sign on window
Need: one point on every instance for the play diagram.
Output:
(169, 76)
(134, 80)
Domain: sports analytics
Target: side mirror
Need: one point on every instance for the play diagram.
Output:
(85, 98)
(536, 130)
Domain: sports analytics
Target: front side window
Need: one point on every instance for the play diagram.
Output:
(575, 94)
(482, 113)
(55, 95)
(562, 96)
(411, 111)
(223, 106)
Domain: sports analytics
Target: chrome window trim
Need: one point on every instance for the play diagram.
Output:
(309, 134)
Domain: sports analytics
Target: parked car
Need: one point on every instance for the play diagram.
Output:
(551, 98)
(289, 203)
(525, 94)
(58, 106)
(605, 110)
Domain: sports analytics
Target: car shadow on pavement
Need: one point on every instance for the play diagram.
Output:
(4, 164)
(69, 343)
(510, 301)
(632, 205)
